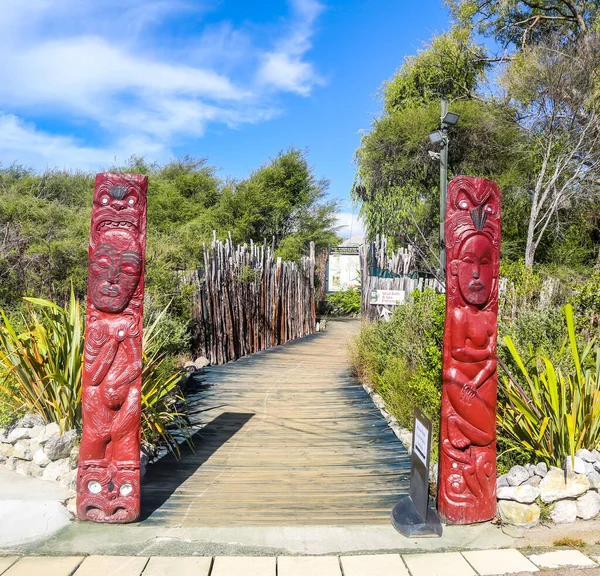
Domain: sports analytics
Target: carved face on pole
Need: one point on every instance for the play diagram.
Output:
(475, 269)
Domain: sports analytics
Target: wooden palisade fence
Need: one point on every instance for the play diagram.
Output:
(382, 270)
(248, 300)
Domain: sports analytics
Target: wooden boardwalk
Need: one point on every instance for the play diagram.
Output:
(288, 437)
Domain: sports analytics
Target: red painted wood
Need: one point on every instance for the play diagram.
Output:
(467, 482)
(108, 482)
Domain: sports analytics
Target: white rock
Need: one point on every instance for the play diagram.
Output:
(49, 430)
(541, 469)
(17, 434)
(559, 484)
(565, 511)
(56, 470)
(59, 447)
(588, 505)
(594, 480)
(525, 494)
(69, 480)
(517, 514)
(596, 455)
(501, 481)
(40, 458)
(578, 468)
(517, 475)
(201, 362)
(585, 455)
(21, 450)
(597, 466)
(23, 468)
(533, 481)
(36, 431)
(530, 468)
(31, 420)
(6, 450)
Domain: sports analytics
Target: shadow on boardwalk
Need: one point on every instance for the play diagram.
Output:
(288, 437)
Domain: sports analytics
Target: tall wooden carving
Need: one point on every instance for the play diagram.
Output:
(467, 484)
(108, 482)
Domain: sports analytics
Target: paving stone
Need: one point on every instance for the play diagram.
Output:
(444, 564)
(308, 566)
(246, 565)
(7, 562)
(560, 558)
(377, 565)
(178, 566)
(113, 565)
(492, 562)
(45, 566)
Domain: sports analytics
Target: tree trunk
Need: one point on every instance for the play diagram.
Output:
(531, 244)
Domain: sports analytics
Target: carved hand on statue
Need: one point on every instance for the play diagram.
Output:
(467, 394)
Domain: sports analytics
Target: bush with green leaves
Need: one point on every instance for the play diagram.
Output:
(344, 302)
(41, 369)
(402, 358)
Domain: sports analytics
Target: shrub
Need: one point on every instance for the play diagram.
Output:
(402, 359)
(41, 372)
(344, 302)
(552, 412)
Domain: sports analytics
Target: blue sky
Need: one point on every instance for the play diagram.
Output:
(85, 83)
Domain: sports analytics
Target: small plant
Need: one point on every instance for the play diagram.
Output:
(552, 412)
(344, 302)
(570, 542)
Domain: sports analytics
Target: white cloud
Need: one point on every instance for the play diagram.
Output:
(111, 67)
(284, 68)
(351, 224)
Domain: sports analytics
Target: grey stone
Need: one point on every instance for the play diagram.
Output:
(501, 481)
(517, 475)
(6, 450)
(30, 420)
(201, 362)
(594, 480)
(597, 466)
(55, 470)
(50, 430)
(40, 458)
(143, 464)
(588, 505)
(17, 434)
(559, 484)
(541, 469)
(533, 481)
(596, 455)
(565, 511)
(60, 446)
(69, 480)
(575, 464)
(74, 456)
(585, 455)
(517, 514)
(525, 494)
(22, 451)
(530, 468)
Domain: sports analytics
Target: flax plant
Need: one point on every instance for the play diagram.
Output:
(551, 413)
(41, 372)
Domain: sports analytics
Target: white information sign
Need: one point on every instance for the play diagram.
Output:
(421, 440)
(387, 297)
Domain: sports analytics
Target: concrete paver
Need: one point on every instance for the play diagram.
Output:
(499, 562)
(7, 562)
(43, 565)
(562, 558)
(246, 565)
(375, 565)
(308, 566)
(176, 566)
(444, 564)
(113, 565)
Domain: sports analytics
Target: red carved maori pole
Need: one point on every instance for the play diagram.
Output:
(467, 485)
(108, 482)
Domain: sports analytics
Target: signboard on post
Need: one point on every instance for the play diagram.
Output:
(411, 515)
(387, 297)
(343, 268)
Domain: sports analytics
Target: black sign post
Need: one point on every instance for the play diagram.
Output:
(411, 515)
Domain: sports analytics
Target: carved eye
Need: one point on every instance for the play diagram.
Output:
(94, 487)
(131, 201)
(463, 204)
(104, 200)
(488, 208)
(126, 490)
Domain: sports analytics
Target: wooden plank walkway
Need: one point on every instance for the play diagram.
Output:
(288, 437)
